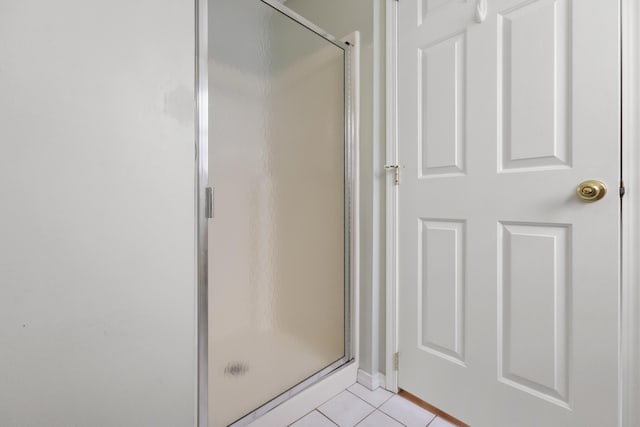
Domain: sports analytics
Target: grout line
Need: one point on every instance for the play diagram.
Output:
(435, 417)
(392, 417)
(367, 403)
(289, 425)
(365, 417)
(377, 407)
(362, 420)
(374, 407)
(309, 413)
(331, 398)
(330, 420)
(361, 399)
(443, 419)
(383, 413)
(387, 399)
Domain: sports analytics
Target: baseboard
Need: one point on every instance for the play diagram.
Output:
(305, 402)
(371, 382)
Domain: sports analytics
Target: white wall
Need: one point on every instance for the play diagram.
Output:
(339, 18)
(97, 302)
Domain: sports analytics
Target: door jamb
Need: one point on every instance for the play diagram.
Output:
(630, 230)
(630, 237)
(391, 342)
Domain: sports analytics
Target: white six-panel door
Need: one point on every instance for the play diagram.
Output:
(508, 282)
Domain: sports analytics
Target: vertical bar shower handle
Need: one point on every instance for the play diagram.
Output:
(481, 11)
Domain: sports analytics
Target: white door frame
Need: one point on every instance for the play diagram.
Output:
(391, 342)
(630, 285)
(630, 251)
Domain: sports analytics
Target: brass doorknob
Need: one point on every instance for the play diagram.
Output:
(592, 190)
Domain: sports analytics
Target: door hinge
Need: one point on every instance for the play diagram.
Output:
(623, 190)
(396, 360)
(208, 209)
(396, 173)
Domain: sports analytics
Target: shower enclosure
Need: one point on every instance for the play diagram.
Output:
(279, 171)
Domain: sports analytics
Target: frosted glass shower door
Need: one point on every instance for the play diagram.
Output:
(277, 160)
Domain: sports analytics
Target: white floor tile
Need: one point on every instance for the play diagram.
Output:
(313, 419)
(406, 412)
(346, 410)
(379, 419)
(439, 422)
(375, 398)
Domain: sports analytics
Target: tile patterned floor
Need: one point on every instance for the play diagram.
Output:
(359, 406)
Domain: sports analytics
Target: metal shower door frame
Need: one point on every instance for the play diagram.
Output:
(202, 221)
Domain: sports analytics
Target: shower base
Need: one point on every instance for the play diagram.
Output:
(249, 370)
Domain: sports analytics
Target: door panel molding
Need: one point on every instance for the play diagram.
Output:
(521, 59)
(441, 263)
(535, 276)
(442, 127)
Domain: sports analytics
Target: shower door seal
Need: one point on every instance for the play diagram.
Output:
(202, 118)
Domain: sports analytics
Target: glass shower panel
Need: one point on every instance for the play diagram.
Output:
(277, 240)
